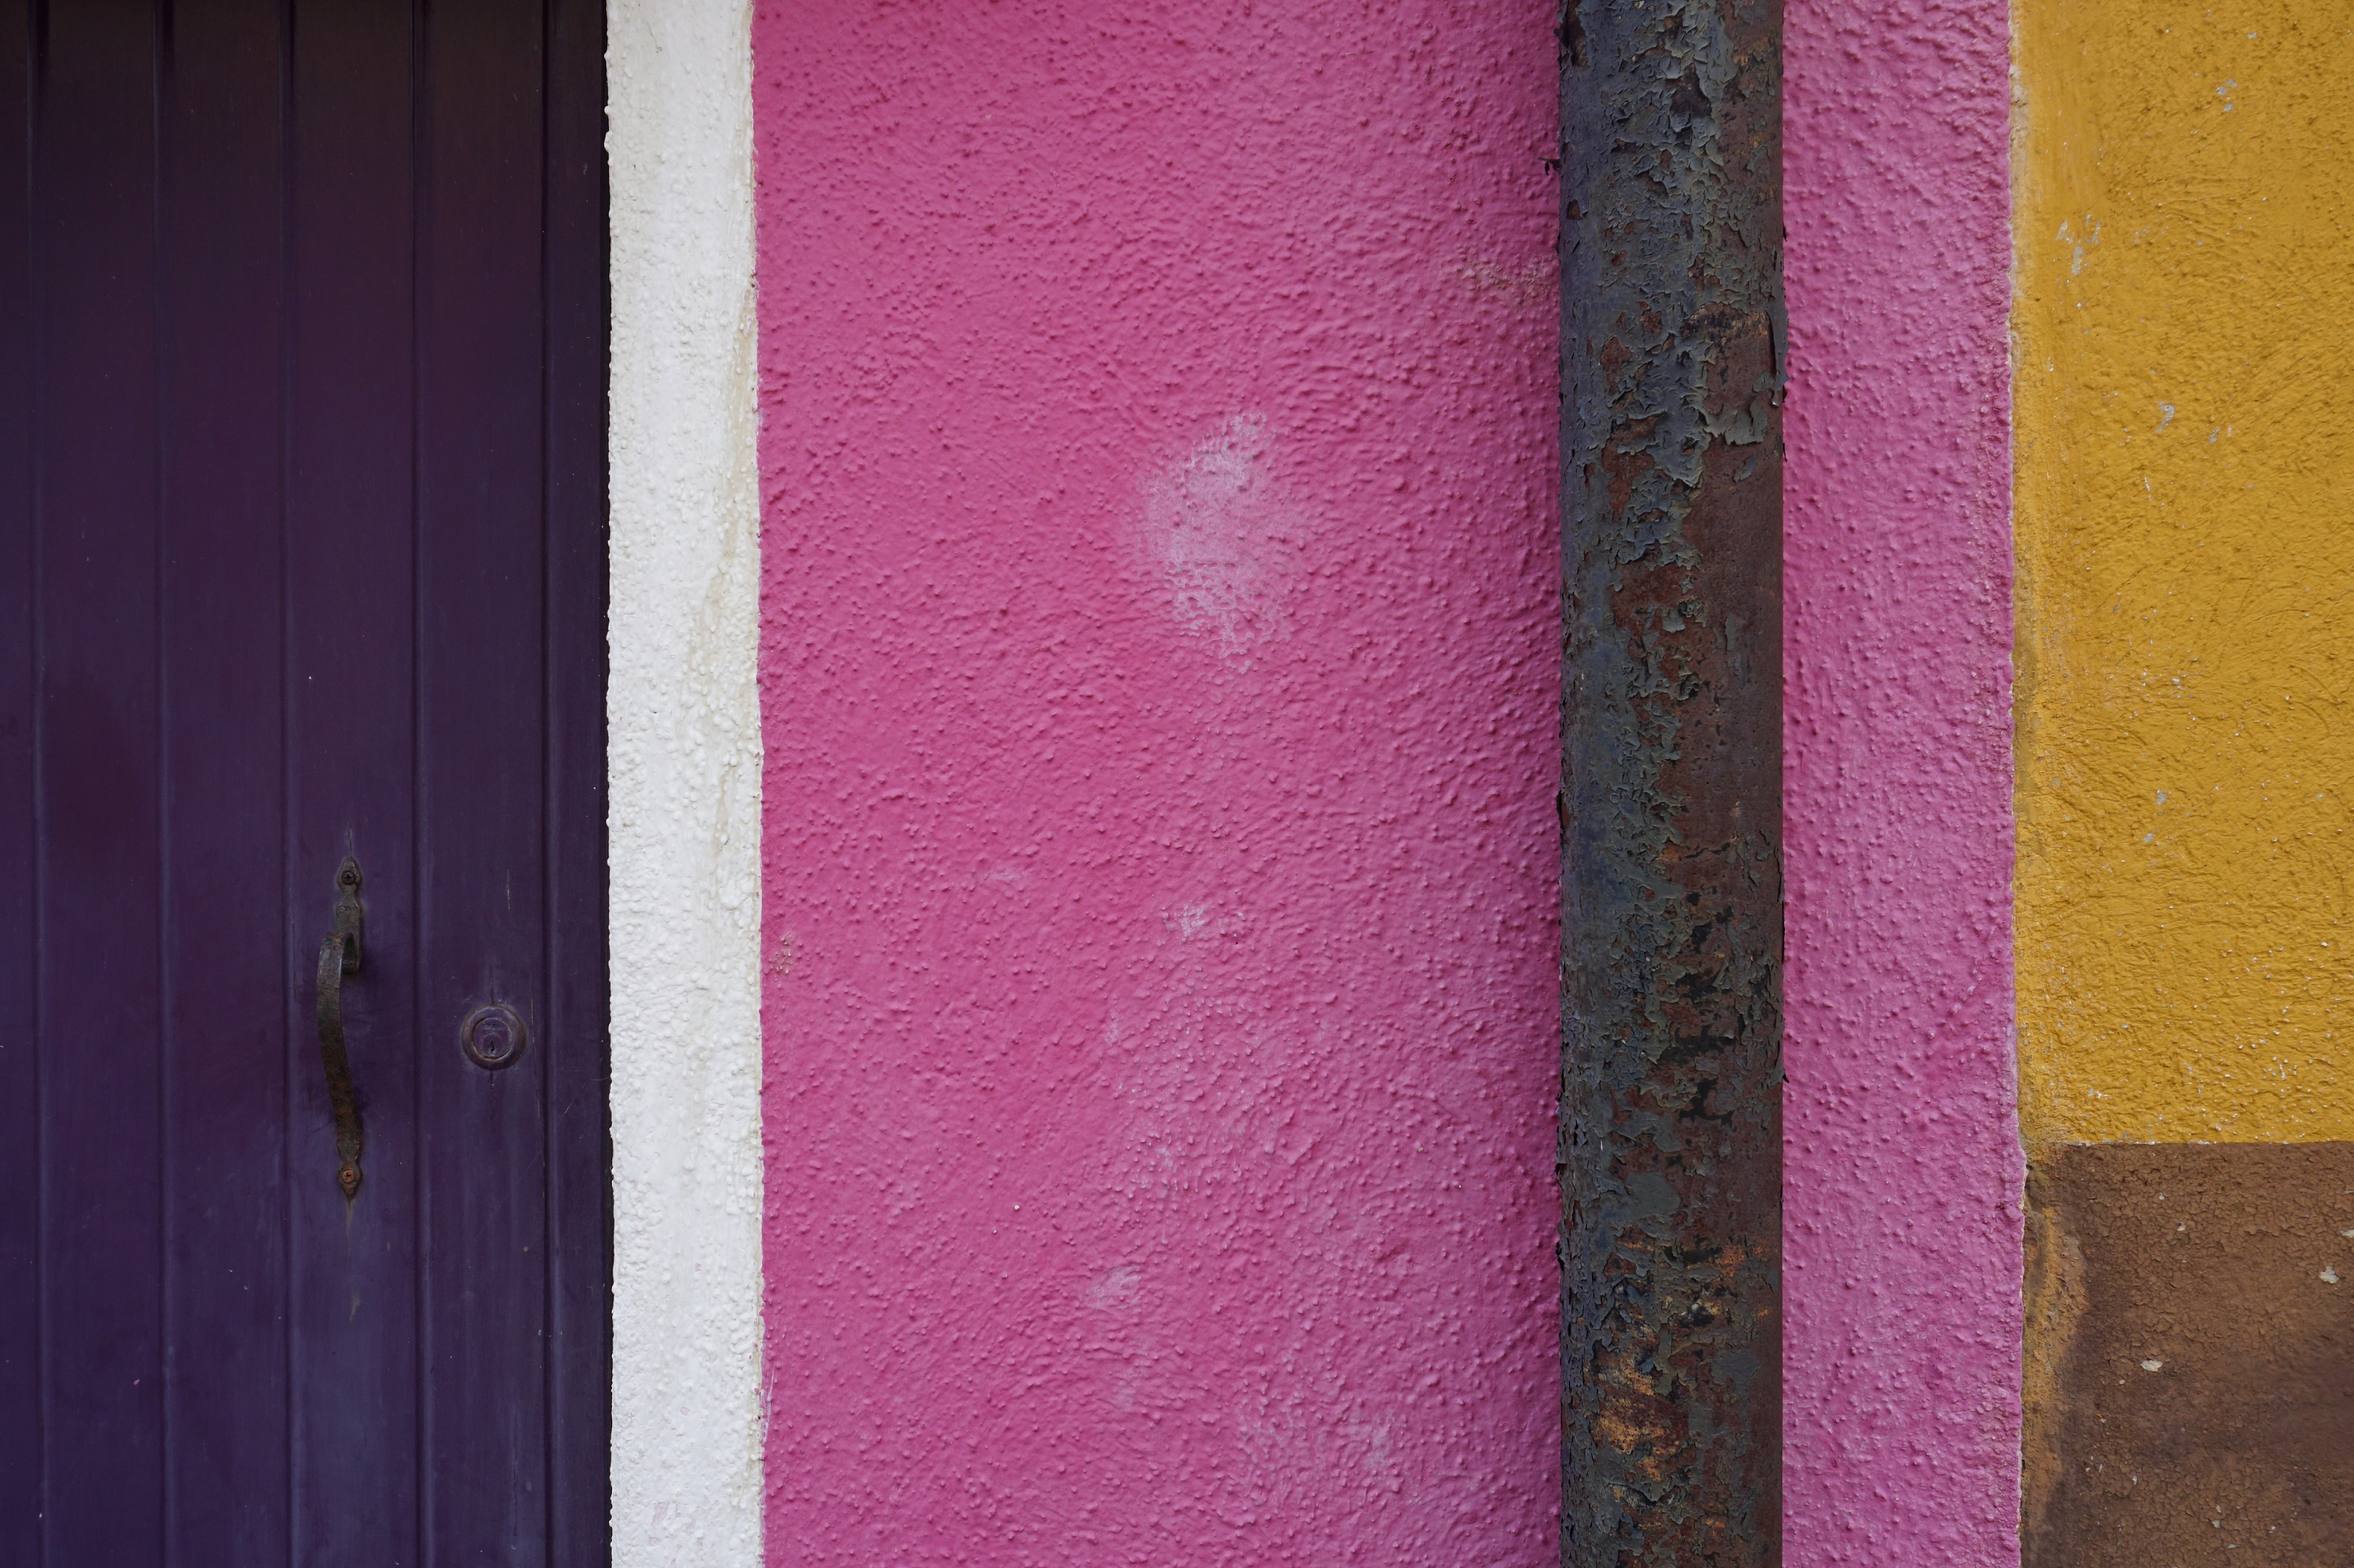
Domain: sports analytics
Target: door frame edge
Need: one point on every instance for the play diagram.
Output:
(684, 764)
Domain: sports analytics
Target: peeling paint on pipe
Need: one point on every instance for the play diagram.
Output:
(1671, 1154)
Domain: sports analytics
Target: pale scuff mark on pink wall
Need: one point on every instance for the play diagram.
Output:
(1219, 526)
(1160, 670)
(1904, 1170)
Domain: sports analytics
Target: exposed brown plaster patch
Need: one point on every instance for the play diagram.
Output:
(2190, 1374)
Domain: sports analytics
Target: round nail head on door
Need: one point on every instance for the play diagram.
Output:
(492, 1036)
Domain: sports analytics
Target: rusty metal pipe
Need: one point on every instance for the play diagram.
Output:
(1673, 358)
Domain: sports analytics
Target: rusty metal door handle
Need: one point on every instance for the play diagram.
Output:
(339, 956)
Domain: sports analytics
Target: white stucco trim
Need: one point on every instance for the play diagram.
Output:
(683, 708)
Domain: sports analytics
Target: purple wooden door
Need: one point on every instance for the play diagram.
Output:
(302, 371)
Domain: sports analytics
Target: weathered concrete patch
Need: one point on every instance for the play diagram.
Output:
(2190, 1355)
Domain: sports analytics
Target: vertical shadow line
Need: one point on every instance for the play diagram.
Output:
(292, 951)
(160, 84)
(37, 48)
(421, 965)
(550, 1217)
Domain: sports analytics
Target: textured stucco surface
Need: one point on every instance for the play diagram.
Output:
(684, 726)
(1159, 671)
(2185, 310)
(1902, 1224)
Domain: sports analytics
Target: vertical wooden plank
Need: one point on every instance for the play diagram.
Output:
(351, 619)
(93, 235)
(20, 1139)
(574, 1039)
(225, 1073)
(482, 787)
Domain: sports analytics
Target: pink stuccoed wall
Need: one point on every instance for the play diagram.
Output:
(1903, 1162)
(1159, 659)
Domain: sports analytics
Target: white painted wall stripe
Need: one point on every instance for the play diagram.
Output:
(684, 764)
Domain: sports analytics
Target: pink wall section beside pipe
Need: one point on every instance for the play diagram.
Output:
(1903, 1165)
(1160, 678)
(1158, 663)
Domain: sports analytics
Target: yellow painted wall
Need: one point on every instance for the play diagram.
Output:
(2185, 523)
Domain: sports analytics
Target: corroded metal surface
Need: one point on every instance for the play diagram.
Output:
(1671, 1154)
